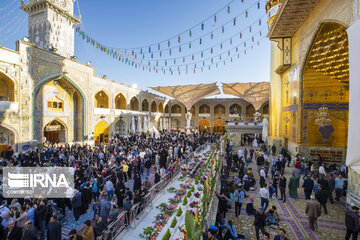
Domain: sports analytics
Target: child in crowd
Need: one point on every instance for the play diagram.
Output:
(271, 190)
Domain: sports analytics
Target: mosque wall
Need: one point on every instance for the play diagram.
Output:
(55, 98)
(296, 87)
(49, 90)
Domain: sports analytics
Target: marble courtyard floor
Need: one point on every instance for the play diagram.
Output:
(292, 216)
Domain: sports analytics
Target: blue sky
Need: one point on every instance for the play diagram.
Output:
(128, 24)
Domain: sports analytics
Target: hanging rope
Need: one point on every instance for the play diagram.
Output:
(13, 19)
(176, 38)
(5, 7)
(15, 30)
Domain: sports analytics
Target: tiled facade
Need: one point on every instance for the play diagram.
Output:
(297, 92)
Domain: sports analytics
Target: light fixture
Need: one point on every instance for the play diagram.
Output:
(56, 82)
(102, 116)
(104, 76)
(322, 117)
(73, 57)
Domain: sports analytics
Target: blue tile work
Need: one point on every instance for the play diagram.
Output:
(291, 108)
(316, 106)
(330, 106)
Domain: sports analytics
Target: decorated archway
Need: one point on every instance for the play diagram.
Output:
(325, 84)
(101, 100)
(7, 139)
(219, 110)
(145, 105)
(101, 132)
(204, 108)
(134, 104)
(235, 109)
(175, 109)
(153, 107)
(250, 111)
(55, 132)
(60, 83)
(7, 88)
(161, 108)
(120, 102)
(219, 126)
(204, 125)
(120, 127)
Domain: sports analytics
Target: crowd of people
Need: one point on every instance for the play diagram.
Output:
(320, 183)
(109, 178)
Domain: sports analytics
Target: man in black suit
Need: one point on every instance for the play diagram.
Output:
(77, 205)
(54, 229)
(30, 232)
(12, 232)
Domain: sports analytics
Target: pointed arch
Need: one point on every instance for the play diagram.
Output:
(101, 132)
(60, 76)
(176, 108)
(145, 105)
(324, 81)
(167, 108)
(101, 99)
(161, 108)
(204, 108)
(56, 131)
(134, 104)
(250, 111)
(219, 110)
(12, 133)
(120, 102)
(235, 109)
(7, 87)
(153, 107)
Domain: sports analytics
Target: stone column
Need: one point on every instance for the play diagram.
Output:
(188, 121)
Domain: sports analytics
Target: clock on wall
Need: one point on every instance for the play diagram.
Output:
(64, 4)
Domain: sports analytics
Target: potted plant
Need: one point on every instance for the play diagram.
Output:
(173, 223)
(167, 235)
(147, 232)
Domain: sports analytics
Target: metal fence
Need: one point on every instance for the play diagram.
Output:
(128, 218)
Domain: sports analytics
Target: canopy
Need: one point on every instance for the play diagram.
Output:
(189, 94)
(255, 93)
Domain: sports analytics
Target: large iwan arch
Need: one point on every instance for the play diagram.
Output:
(37, 126)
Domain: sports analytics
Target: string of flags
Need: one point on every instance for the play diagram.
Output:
(158, 57)
(206, 64)
(176, 42)
(194, 68)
